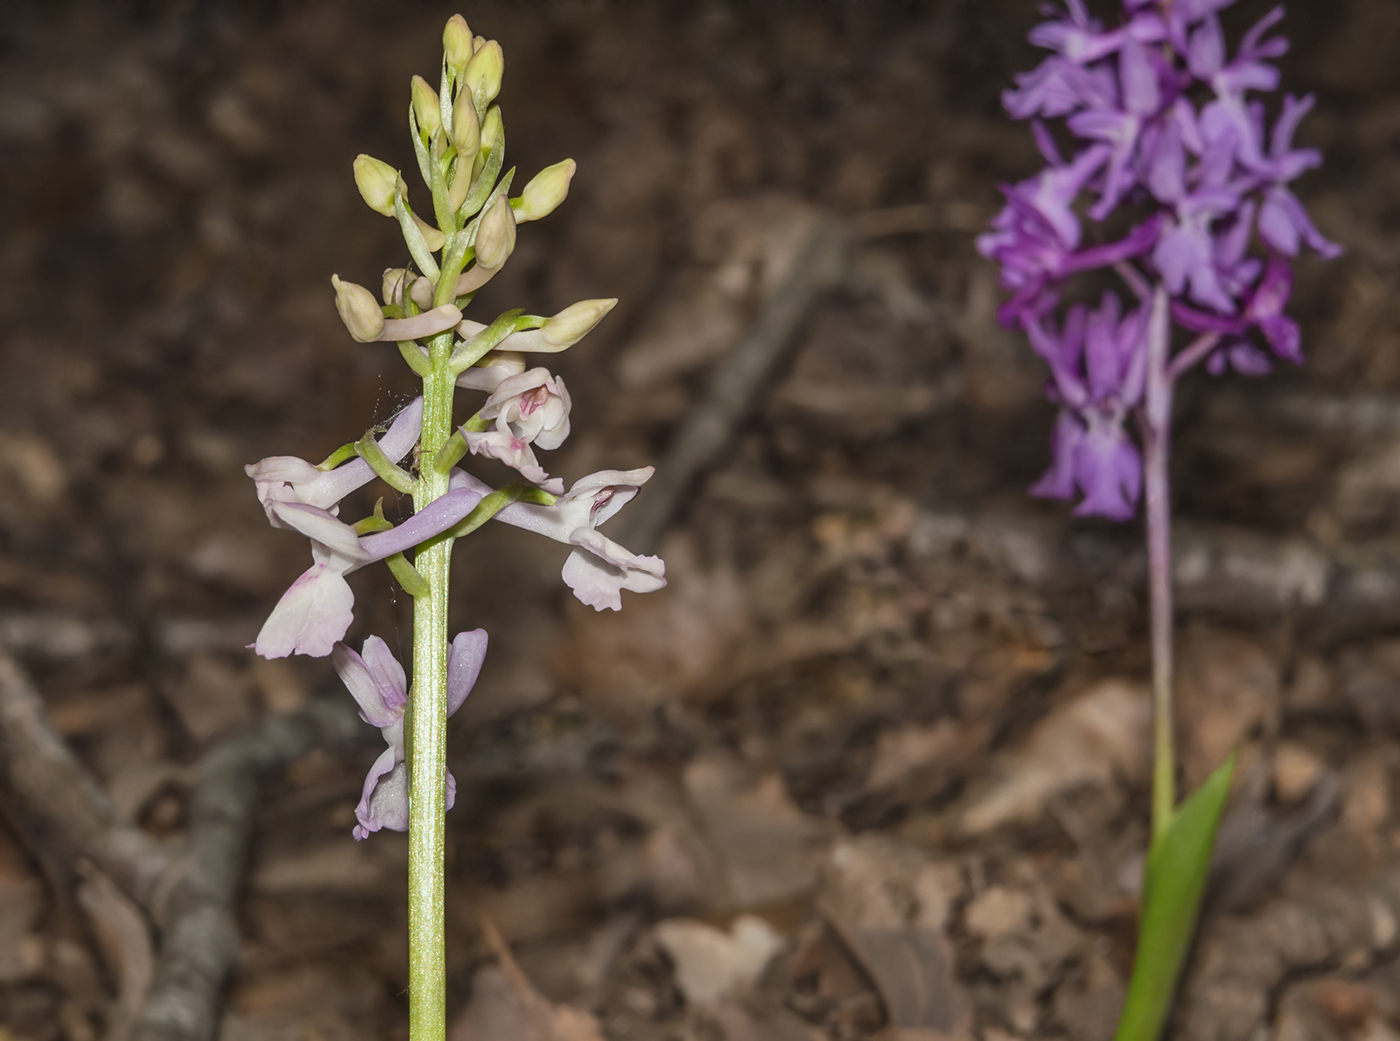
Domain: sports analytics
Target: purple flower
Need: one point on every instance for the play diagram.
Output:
(379, 686)
(1185, 254)
(1097, 367)
(1263, 310)
(1050, 89)
(1282, 219)
(1081, 39)
(1118, 121)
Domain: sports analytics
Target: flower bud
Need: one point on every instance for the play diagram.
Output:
(575, 322)
(545, 191)
(483, 73)
(466, 128)
(491, 129)
(358, 310)
(376, 181)
(396, 280)
(495, 238)
(457, 44)
(421, 292)
(425, 107)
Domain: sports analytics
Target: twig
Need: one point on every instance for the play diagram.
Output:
(736, 380)
(62, 807)
(195, 906)
(1340, 593)
(187, 892)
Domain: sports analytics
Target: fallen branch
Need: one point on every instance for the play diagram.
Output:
(188, 892)
(61, 806)
(199, 941)
(1340, 593)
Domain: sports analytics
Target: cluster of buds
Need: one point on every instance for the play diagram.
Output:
(1162, 123)
(459, 140)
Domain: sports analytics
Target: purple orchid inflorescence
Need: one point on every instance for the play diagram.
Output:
(1168, 129)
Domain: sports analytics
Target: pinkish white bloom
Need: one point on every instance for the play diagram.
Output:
(318, 608)
(379, 686)
(533, 407)
(488, 373)
(514, 452)
(598, 569)
(285, 478)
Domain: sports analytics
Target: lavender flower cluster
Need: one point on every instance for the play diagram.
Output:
(1163, 127)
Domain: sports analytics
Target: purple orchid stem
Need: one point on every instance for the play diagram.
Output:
(1156, 421)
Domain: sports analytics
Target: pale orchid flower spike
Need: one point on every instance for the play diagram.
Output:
(461, 240)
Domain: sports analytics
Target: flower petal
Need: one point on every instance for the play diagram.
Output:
(387, 805)
(464, 659)
(312, 615)
(319, 526)
(379, 705)
(598, 575)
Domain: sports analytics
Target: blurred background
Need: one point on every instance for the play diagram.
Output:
(888, 706)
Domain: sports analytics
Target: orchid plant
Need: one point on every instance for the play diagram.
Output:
(459, 141)
(1168, 142)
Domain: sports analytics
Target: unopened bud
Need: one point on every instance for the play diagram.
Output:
(461, 182)
(483, 73)
(376, 181)
(358, 310)
(457, 44)
(495, 238)
(545, 191)
(425, 107)
(575, 322)
(421, 292)
(492, 129)
(466, 128)
(396, 280)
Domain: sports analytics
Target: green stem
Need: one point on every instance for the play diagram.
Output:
(427, 737)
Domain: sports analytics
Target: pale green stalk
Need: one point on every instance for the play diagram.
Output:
(427, 732)
(426, 744)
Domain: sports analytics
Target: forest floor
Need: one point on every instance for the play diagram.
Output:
(875, 762)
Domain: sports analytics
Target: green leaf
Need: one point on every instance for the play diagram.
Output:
(1174, 881)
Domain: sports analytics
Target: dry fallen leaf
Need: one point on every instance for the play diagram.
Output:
(712, 964)
(1084, 741)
